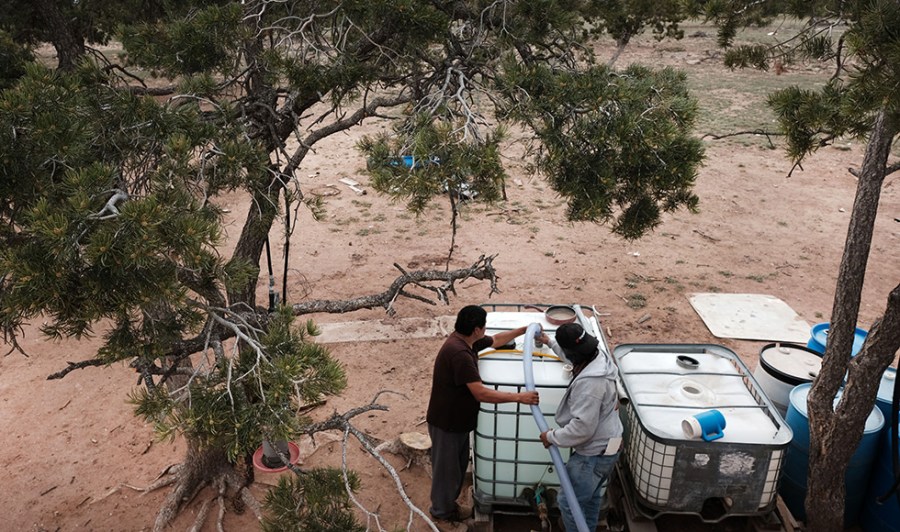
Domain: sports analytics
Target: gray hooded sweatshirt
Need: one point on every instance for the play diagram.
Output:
(587, 413)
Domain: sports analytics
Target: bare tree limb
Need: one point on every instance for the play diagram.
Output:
(340, 125)
(768, 135)
(891, 168)
(338, 421)
(364, 440)
(444, 283)
(482, 269)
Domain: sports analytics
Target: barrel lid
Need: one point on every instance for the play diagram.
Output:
(819, 333)
(800, 394)
(790, 363)
(886, 387)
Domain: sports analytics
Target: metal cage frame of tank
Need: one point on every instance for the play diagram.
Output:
(484, 501)
(696, 484)
(488, 503)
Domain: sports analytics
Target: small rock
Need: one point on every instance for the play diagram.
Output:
(842, 210)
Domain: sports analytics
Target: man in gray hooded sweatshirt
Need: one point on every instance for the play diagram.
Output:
(589, 422)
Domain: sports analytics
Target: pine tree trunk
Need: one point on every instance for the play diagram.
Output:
(200, 469)
(835, 434)
(65, 36)
(253, 238)
(268, 188)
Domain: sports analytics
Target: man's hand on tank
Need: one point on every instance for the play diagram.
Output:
(529, 398)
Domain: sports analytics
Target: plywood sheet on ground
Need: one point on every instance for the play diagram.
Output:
(750, 317)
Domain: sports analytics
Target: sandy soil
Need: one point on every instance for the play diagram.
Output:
(70, 446)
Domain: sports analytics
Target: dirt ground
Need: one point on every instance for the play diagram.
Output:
(71, 446)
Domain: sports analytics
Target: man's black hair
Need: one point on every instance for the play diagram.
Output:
(469, 318)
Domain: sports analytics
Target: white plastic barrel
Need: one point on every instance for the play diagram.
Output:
(783, 366)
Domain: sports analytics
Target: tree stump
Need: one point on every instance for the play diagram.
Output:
(414, 446)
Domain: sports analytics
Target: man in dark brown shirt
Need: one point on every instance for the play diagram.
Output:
(456, 392)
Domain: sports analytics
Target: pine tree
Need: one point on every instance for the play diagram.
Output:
(105, 182)
(861, 100)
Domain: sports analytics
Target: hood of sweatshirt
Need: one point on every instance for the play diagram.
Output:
(602, 366)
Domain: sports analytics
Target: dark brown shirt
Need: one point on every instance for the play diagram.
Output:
(452, 406)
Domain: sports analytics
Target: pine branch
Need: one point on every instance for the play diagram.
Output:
(76, 365)
(368, 109)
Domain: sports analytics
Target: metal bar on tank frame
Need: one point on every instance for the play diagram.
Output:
(594, 322)
(494, 444)
(692, 373)
(494, 307)
(655, 405)
(517, 438)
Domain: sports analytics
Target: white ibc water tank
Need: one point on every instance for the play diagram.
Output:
(671, 472)
(508, 455)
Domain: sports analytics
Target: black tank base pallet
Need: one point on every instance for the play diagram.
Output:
(637, 518)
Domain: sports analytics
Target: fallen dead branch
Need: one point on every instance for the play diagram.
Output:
(342, 422)
(755, 132)
(706, 236)
(438, 282)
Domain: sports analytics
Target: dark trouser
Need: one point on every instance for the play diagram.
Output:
(449, 461)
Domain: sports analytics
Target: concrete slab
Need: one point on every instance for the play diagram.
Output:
(386, 329)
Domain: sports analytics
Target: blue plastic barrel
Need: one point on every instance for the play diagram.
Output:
(796, 464)
(818, 338)
(882, 517)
